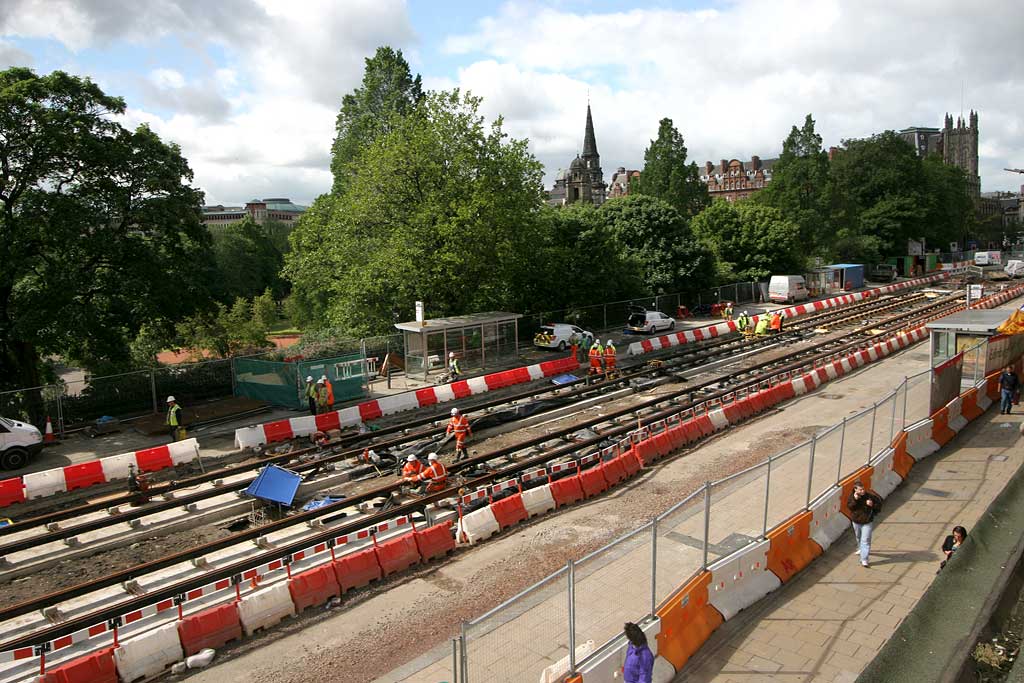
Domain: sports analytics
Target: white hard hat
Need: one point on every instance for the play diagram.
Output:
(372, 452)
(455, 411)
(324, 378)
(745, 313)
(310, 378)
(451, 354)
(411, 458)
(170, 399)
(319, 381)
(432, 456)
(610, 342)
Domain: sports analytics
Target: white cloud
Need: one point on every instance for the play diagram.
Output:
(167, 78)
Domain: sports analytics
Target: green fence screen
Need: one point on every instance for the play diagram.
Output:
(283, 383)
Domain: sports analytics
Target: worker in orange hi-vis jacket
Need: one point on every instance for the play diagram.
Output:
(412, 468)
(609, 358)
(435, 475)
(596, 354)
(459, 425)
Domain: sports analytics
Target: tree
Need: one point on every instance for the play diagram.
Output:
(751, 241)
(240, 328)
(653, 234)
(799, 186)
(248, 260)
(441, 209)
(667, 176)
(99, 229)
(389, 90)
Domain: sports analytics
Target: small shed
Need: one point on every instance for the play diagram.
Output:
(476, 340)
(850, 275)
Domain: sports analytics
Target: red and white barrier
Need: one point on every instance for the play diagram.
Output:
(282, 430)
(701, 333)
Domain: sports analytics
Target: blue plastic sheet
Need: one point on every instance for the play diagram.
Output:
(314, 504)
(564, 379)
(275, 484)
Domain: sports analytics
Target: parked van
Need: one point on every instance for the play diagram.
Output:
(787, 288)
(988, 258)
(1014, 268)
(18, 443)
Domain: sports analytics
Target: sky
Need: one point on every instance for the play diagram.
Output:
(250, 89)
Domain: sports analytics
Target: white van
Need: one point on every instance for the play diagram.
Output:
(18, 443)
(1014, 268)
(787, 288)
(988, 258)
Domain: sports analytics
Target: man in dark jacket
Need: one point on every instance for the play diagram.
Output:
(863, 505)
(1008, 385)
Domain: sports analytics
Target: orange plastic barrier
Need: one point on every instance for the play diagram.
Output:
(647, 451)
(663, 442)
(864, 475)
(734, 412)
(791, 547)
(325, 422)
(84, 475)
(630, 463)
(357, 569)
(592, 481)
(902, 462)
(11, 491)
(566, 491)
(97, 667)
(213, 627)
(970, 409)
(941, 432)
(158, 458)
(314, 587)
(509, 511)
(686, 621)
(397, 554)
(691, 430)
(435, 541)
(614, 472)
(705, 425)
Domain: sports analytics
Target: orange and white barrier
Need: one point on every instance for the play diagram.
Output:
(282, 430)
(265, 607)
(741, 579)
(147, 655)
(884, 479)
(828, 522)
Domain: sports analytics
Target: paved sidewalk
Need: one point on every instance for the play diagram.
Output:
(831, 620)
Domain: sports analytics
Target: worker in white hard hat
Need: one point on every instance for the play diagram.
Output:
(412, 468)
(310, 394)
(453, 366)
(321, 396)
(330, 392)
(459, 425)
(435, 476)
(173, 420)
(609, 359)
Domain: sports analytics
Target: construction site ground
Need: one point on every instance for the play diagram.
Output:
(401, 629)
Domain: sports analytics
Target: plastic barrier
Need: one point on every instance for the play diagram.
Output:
(509, 510)
(313, 587)
(265, 607)
(790, 546)
(614, 471)
(741, 579)
(566, 491)
(184, 451)
(902, 463)
(478, 525)
(704, 424)
(827, 519)
(538, 500)
(885, 478)
(357, 569)
(647, 451)
(919, 440)
(11, 491)
(213, 627)
(718, 419)
(116, 466)
(630, 463)
(45, 483)
(863, 475)
(398, 554)
(83, 475)
(941, 431)
(148, 654)
(687, 619)
(969, 407)
(153, 459)
(435, 541)
(98, 667)
(592, 481)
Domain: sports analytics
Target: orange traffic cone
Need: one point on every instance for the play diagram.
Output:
(49, 436)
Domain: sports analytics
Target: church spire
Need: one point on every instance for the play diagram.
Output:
(589, 141)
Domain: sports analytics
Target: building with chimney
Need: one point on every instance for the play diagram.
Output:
(956, 142)
(735, 179)
(280, 209)
(584, 181)
(619, 186)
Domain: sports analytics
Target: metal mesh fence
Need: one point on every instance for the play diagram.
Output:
(919, 390)
(884, 423)
(856, 441)
(827, 445)
(738, 511)
(787, 485)
(679, 550)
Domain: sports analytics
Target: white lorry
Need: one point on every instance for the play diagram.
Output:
(1014, 269)
(787, 289)
(18, 443)
(988, 258)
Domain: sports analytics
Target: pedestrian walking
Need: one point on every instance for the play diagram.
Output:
(952, 544)
(639, 664)
(310, 394)
(863, 505)
(173, 419)
(1008, 387)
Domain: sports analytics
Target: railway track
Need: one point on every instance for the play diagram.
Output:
(643, 412)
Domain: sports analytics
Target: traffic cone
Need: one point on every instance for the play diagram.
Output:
(49, 436)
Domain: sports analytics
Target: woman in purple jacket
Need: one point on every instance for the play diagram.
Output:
(639, 664)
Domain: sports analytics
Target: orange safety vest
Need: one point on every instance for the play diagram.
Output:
(460, 425)
(595, 357)
(609, 356)
(776, 322)
(412, 469)
(330, 392)
(436, 473)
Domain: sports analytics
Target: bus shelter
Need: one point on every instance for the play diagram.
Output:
(476, 340)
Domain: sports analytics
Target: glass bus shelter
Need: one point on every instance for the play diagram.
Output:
(476, 340)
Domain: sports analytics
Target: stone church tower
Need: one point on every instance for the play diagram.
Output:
(960, 148)
(584, 181)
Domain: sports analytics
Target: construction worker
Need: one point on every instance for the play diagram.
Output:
(596, 353)
(330, 393)
(310, 394)
(321, 396)
(412, 468)
(459, 425)
(435, 476)
(742, 322)
(173, 419)
(782, 318)
(762, 325)
(609, 358)
(775, 323)
(727, 313)
(453, 366)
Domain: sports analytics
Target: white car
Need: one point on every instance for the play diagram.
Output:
(649, 322)
(558, 336)
(18, 442)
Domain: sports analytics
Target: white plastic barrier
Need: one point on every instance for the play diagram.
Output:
(983, 400)
(397, 403)
(249, 437)
(885, 479)
(149, 654)
(606, 665)
(478, 525)
(45, 483)
(183, 451)
(538, 501)
(957, 421)
(303, 426)
(265, 607)
(718, 418)
(827, 519)
(556, 672)
(116, 466)
(477, 385)
(741, 579)
(919, 440)
(663, 672)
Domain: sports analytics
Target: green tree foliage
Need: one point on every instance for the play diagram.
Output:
(799, 185)
(951, 215)
(99, 228)
(249, 259)
(667, 175)
(388, 91)
(751, 241)
(659, 240)
(440, 209)
(232, 330)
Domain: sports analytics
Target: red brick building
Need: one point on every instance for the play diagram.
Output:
(619, 187)
(735, 179)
